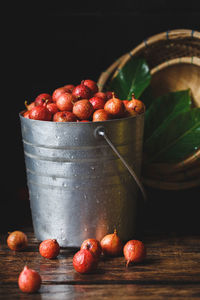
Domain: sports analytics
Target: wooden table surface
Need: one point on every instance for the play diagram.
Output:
(170, 271)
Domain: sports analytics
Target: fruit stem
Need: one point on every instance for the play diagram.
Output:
(115, 231)
(127, 263)
(26, 104)
(133, 96)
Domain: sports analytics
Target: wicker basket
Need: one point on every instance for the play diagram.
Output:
(174, 61)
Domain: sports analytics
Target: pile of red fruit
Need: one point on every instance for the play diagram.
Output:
(81, 103)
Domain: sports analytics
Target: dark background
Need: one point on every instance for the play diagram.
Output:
(45, 46)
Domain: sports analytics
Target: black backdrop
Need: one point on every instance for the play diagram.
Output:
(45, 46)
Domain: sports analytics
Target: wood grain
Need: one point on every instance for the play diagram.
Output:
(172, 267)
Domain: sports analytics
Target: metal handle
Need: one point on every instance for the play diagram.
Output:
(100, 131)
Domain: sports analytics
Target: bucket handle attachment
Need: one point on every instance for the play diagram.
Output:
(100, 131)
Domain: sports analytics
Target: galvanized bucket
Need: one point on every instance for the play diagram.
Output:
(77, 176)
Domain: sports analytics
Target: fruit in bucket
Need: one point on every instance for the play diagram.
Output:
(100, 115)
(134, 106)
(40, 113)
(115, 107)
(64, 116)
(91, 85)
(83, 109)
(65, 101)
(81, 91)
(41, 99)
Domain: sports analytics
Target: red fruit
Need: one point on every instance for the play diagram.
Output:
(93, 246)
(83, 109)
(91, 85)
(100, 115)
(29, 106)
(29, 280)
(49, 248)
(101, 95)
(64, 116)
(52, 107)
(83, 121)
(134, 251)
(65, 101)
(41, 99)
(69, 87)
(125, 102)
(111, 244)
(109, 95)
(57, 92)
(84, 261)
(40, 113)
(97, 102)
(81, 91)
(26, 114)
(17, 240)
(134, 107)
(115, 107)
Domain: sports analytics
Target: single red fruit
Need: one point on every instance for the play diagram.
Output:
(69, 87)
(112, 245)
(115, 107)
(101, 95)
(100, 115)
(109, 95)
(17, 240)
(57, 92)
(65, 101)
(41, 99)
(134, 251)
(97, 102)
(52, 107)
(83, 109)
(64, 116)
(40, 113)
(81, 91)
(93, 246)
(49, 248)
(84, 261)
(29, 280)
(91, 85)
(134, 107)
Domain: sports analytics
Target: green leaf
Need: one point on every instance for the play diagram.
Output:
(134, 77)
(162, 110)
(181, 137)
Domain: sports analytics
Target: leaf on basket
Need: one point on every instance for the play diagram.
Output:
(162, 110)
(180, 138)
(134, 77)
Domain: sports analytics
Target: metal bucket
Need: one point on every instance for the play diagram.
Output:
(78, 187)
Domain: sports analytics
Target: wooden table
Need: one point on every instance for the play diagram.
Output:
(170, 271)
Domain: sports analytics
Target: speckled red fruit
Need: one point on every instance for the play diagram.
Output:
(115, 107)
(84, 261)
(81, 91)
(17, 240)
(100, 115)
(135, 107)
(65, 101)
(64, 116)
(57, 92)
(83, 109)
(41, 99)
(49, 248)
(69, 87)
(112, 245)
(52, 107)
(91, 85)
(40, 113)
(97, 102)
(134, 251)
(101, 95)
(93, 245)
(29, 280)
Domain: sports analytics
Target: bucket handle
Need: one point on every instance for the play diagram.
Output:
(100, 131)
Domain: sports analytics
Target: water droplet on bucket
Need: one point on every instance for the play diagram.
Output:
(92, 168)
(85, 229)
